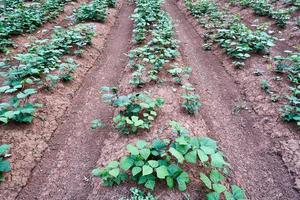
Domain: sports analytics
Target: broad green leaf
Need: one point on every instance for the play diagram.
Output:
(150, 184)
(153, 163)
(181, 185)
(126, 162)
(141, 144)
(145, 153)
(182, 180)
(170, 182)
(132, 149)
(147, 170)
(191, 157)
(238, 193)
(207, 150)
(136, 170)
(4, 120)
(228, 196)
(4, 148)
(215, 176)
(217, 160)
(122, 101)
(219, 188)
(213, 196)
(202, 156)
(113, 164)
(205, 180)
(162, 172)
(158, 144)
(96, 172)
(114, 172)
(176, 154)
(96, 123)
(4, 166)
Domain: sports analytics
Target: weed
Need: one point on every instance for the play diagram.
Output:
(96, 123)
(264, 84)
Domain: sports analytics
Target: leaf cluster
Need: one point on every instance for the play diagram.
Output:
(291, 66)
(37, 67)
(22, 17)
(137, 110)
(93, 11)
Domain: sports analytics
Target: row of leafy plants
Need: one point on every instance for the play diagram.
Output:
(96, 10)
(228, 31)
(169, 161)
(265, 8)
(162, 160)
(290, 65)
(19, 17)
(41, 66)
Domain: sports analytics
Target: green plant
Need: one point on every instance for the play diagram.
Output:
(18, 109)
(191, 101)
(94, 11)
(40, 66)
(291, 66)
(239, 41)
(144, 15)
(4, 164)
(139, 195)
(227, 29)
(151, 57)
(264, 84)
(22, 17)
(178, 129)
(147, 163)
(138, 110)
(164, 160)
(96, 123)
(179, 73)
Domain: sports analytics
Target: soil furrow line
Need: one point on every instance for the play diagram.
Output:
(246, 146)
(64, 172)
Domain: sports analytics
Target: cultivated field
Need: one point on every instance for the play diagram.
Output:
(150, 99)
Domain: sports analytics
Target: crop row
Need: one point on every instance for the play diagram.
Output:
(291, 66)
(163, 159)
(228, 31)
(23, 17)
(42, 66)
(265, 8)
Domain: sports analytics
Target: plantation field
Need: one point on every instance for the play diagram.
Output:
(150, 99)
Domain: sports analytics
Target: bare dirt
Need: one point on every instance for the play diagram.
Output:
(53, 158)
